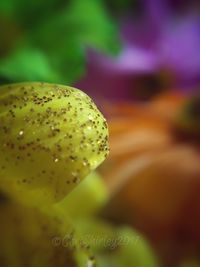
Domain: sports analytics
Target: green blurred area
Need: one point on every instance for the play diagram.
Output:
(48, 40)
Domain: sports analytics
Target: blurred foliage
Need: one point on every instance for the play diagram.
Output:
(122, 6)
(116, 247)
(190, 263)
(47, 40)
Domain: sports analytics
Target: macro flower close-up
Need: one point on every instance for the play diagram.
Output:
(99, 133)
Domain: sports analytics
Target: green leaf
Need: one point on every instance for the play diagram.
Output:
(65, 36)
(93, 25)
(59, 34)
(7, 6)
(27, 64)
(84, 22)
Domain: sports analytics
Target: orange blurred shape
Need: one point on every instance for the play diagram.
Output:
(153, 174)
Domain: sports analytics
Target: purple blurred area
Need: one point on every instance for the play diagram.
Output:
(160, 50)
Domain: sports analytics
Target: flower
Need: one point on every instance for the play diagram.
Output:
(160, 50)
(52, 137)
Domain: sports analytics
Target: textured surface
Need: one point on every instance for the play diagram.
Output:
(51, 137)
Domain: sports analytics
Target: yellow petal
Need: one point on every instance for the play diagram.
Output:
(51, 137)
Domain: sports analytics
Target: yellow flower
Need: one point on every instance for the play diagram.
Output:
(51, 136)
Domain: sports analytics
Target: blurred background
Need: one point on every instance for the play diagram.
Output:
(140, 62)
